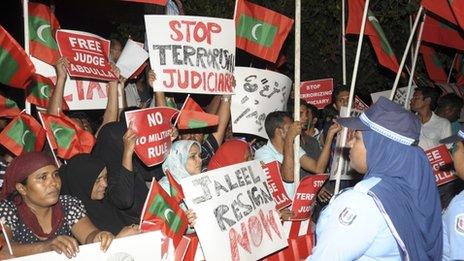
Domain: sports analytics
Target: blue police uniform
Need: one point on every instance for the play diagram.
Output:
(353, 228)
(453, 229)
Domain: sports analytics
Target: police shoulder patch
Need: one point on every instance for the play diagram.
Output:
(347, 216)
(459, 226)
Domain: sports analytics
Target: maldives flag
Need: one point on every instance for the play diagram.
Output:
(433, 65)
(23, 134)
(440, 8)
(379, 41)
(176, 191)
(457, 6)
(440, 33)
(8, 108)
(153, 2)
(163, 212)
(42, 27)
(66, 136)
(40, 90)
(192, 116)
(260, 31)
(15, 66)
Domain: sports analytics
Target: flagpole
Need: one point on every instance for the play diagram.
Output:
(344, 133)
(451, 69)
(343, 44)
(235, 8)
(414, 62)
(27, 105)
(296, 144)
(405, 54)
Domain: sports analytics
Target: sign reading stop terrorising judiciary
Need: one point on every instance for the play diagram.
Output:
(191, 54)
(87, 54)
(236, 216)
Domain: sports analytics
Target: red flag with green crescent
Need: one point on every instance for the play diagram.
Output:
(15, 66)
(192, 116)
(66, 136)
(260, 31)
(162, 211)
(176, 191)
(457, 6)
(433, 64)
(42, 27)
(8, 108)
(40, 90)
(23, 134)
(440, 33)
(379, 41)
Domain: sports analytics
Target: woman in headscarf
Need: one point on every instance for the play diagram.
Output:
(85, 177)
(231, 152)
(394, 212)
(37, 218)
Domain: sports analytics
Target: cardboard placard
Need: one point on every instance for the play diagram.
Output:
(317, 92)
(276, 185)
(305, 195)
(442, 164)
(132, 58)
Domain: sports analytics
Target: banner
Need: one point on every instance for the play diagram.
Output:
(137, 247)
(132, 57)
(442, 164)
(153, 127)
(317, 92)
(87, 54)
(79, 94)
(305, 195)
(400, 95)
(236, 216)
(191, 54)
(257, 93)
(276, 185)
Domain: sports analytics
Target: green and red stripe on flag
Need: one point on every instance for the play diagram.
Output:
(66, 136)
(153, 2)
(433, 65)
(175, 190)
(192, 116)
(40, 90)
(457, 6)
(163, 212)
(260, 31)
(440, 33)
(15, 66)
(42, 28)
(8, 108)
(23, 134)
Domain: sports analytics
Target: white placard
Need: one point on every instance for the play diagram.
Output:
(257, 93)
(400, 95)
(236, 216)
(132, 57)
(146, 246)
(191, 54)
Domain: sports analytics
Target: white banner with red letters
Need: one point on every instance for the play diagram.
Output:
(87, 54)
(236, 215)
(258, 93)
(305, 195)
(317, 92)
(276, 185)
(191, 54)
(152, 126)
(442, 164)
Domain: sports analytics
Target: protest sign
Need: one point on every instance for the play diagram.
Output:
(258, 92)
(276, 185)
(359, 104)
(132, 58)
(400, 95)
(236, 215)
(79, 94)
(137, 247)
(317, 92)
(305, 195)
(442, 164)
(153, 127)
(191, 54)
(87, 54)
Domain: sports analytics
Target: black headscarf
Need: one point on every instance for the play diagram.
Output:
(78, 177)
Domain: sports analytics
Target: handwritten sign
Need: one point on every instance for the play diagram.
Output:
(258, 93)
(305, 195)
(191, 54)
(442, 164)
(236, 215)
(87, 54)
(276, 186)
(317, 92)
(153, 127)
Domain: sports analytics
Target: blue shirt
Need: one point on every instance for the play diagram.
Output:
(268, 153)
(353, 228)
(453, 229)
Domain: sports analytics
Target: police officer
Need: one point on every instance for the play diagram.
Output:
(394, 212)
(453, 218)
